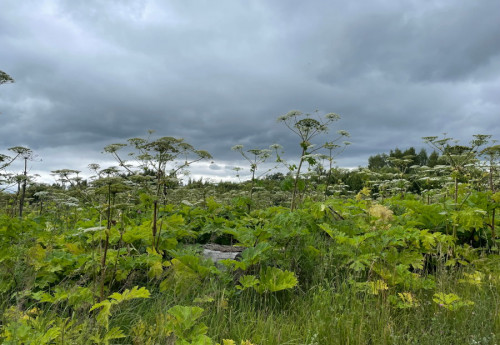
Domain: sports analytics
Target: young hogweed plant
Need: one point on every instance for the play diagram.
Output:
(103, 334)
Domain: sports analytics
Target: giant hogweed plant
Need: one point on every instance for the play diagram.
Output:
(492, 162)
(307, 127)
(154, 156)
(462, 159)
(330, 148)
(5, 78)
(10, 179)
(255, 157)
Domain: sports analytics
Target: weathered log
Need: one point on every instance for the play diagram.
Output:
(218, 252)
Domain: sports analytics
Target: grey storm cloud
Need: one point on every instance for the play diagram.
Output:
(91, 73)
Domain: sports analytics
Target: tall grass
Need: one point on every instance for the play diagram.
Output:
(331, 311)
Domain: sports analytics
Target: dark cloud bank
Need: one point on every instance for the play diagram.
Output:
(90, 73)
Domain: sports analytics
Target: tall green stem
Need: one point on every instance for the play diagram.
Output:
(295, 184)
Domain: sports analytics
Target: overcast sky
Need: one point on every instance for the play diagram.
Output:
(218, 73)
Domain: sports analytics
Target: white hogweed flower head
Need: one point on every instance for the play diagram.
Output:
(332, 116)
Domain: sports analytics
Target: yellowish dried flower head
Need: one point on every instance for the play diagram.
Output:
(381, 212)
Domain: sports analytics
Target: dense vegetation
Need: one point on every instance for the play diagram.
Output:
(401, 252)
